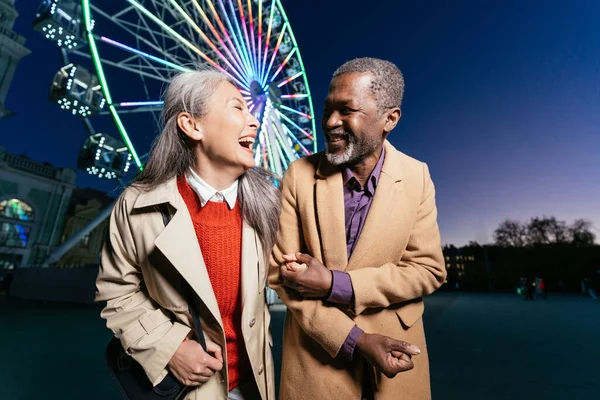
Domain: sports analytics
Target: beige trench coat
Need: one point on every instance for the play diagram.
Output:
(142, 275)
(397, 260)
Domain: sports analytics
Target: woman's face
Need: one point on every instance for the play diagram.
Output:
(227, 132)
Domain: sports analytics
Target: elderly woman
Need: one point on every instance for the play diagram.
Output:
(209, 252)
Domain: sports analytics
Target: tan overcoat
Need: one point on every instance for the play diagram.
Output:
(397, 260)
(144, 268)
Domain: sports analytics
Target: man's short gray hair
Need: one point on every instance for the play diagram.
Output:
(387, 85)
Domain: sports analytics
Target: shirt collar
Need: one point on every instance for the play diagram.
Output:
(207, 193)
(373, 178)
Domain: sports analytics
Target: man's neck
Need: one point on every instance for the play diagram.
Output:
(363, 169)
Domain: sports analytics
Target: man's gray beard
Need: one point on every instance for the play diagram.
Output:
(340, 159)
(354, 152)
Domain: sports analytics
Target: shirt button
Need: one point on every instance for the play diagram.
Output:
(252, 322)
(219, 196)
(260, 370)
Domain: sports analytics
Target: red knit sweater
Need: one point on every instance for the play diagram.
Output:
(219, 233)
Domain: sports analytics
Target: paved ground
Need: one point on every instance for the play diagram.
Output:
(481, 347)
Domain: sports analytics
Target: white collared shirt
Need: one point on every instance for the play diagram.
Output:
(207, 193)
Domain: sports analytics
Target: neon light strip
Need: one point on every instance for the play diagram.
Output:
(270, 154)
(141, 53)
(259, 44)
(244, 91)
(295, 139)
(282, 145)
(252, 50)
(264, 63)
(181, 38)
(283, 63)
(251, 21)
(295, 125)
(294, 111)
(100, 72)
(220, 23)
(240, 48)
(288, 80)
(294, 96)
(243, 20)
(208, 41)
(141, 103)
(299, 57)
(263, 80)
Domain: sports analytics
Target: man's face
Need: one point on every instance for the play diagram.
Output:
(352, 123)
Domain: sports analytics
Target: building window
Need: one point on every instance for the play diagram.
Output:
(13, 235)
(16, 209)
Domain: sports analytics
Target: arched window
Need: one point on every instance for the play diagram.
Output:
(13, 234)
(16, 209)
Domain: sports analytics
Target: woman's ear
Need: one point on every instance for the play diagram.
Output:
(190, 126)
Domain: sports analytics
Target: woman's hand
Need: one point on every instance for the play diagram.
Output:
(193, 366)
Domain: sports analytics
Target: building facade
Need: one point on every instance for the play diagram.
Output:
(34, 198)
(12, 50)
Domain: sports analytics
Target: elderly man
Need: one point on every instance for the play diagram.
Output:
(358, 248)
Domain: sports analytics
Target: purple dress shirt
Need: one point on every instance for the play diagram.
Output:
(357, 202)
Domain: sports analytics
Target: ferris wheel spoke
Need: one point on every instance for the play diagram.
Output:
(123, 67)
(183, 40)
(236, 37)
(245, 27)
(216, 34)
(298, 127)
(230, 45)
(142, 54)
(237, 23)
(275, 51)
(160, 11)
(240, 73)
(117, 14)
(285, 61)
(288, 80)
(294, 139)
(295, 96)
(251, 22)
(258, 36)
(292, 110)
(138, 107)
(124, 25)
(280, 132)
(267, 41)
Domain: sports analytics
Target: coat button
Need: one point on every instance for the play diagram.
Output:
(260, 370)
(252, 322)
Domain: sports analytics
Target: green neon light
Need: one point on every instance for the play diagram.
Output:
(100, 72)
(310, 103)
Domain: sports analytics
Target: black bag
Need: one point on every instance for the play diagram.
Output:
(130, 376)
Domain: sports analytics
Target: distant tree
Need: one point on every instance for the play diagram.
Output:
(547, 230)
(510, 234)
(581, 233)
(473, 243)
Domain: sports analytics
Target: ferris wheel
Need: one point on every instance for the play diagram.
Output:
(119, 55)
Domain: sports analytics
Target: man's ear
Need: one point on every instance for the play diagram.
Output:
(190, 126)
(392, 118)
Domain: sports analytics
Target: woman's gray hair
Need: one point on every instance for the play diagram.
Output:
(173, 154)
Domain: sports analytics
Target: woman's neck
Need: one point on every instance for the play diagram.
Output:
(218, 178)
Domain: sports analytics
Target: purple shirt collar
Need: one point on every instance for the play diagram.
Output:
(373, 178)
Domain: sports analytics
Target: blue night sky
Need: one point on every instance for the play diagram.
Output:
(502, 100)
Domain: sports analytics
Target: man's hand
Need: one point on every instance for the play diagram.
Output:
(306, 275)
(192, 366)
(388, 355)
